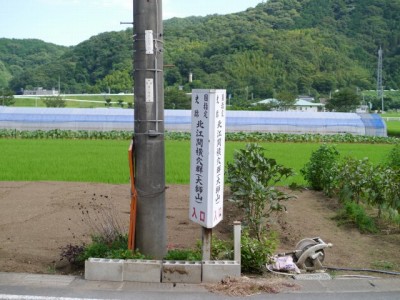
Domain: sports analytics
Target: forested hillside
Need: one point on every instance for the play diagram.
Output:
(18, 57)
(296, 46)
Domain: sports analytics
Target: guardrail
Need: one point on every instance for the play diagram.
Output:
(387, 119)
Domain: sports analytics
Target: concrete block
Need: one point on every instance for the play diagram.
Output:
(181, 271)
(104, 269)
(142, 270)
(215, 270)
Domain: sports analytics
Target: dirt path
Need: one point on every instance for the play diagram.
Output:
(37, 218)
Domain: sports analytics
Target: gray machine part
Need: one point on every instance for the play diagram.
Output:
(310, 254)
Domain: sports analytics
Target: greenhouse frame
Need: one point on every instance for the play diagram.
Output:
(107, 119)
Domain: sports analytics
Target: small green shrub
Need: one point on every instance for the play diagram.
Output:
(102, 248)
(54, 101)
(95, 249)
(256, 253)
(184, 254)
(320, 171)
(221, 249)
(353, 213)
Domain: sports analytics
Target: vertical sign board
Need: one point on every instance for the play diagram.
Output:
(207, 157)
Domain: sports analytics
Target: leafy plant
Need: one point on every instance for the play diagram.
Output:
(257, 252)
(252, 177)
(354, 178)
(394, 157)
(320, 171)
(221, 249)
(385, 190)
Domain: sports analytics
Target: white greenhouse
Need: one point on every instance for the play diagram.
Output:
(106, 119)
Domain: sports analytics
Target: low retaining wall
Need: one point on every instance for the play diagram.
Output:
(159, 271)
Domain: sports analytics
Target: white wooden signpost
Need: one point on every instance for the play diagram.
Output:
(207, 160)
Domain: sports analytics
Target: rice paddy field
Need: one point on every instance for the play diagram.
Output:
(106, 161)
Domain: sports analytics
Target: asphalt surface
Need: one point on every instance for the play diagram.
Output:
(49, 287)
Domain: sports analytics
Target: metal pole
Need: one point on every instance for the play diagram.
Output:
(149, 128)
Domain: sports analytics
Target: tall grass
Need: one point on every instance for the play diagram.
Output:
(106, 160)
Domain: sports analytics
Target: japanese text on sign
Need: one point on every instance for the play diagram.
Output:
(207, 157)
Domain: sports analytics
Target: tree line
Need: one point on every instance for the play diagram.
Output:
(311, 47)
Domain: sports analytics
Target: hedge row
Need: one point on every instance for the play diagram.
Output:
(230, 136)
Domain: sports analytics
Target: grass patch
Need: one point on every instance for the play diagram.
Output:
(184, 254)
(353, 213)
(84, 101)
(105, 161)
(393, 128)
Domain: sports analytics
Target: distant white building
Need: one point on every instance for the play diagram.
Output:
(303, 105)
(362, 109)
(39, 91)
(299, 105)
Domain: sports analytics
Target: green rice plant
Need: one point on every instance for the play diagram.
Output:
(85, 160)
(64, 160)
(177, 163)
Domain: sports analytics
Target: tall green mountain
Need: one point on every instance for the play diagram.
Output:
(296, 46)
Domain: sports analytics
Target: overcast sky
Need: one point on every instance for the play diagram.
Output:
(69, 22)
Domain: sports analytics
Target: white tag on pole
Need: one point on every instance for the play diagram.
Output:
(149, 90)
(149, 41)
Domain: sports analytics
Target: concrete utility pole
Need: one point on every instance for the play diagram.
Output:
(149, 128)
(379, 87)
